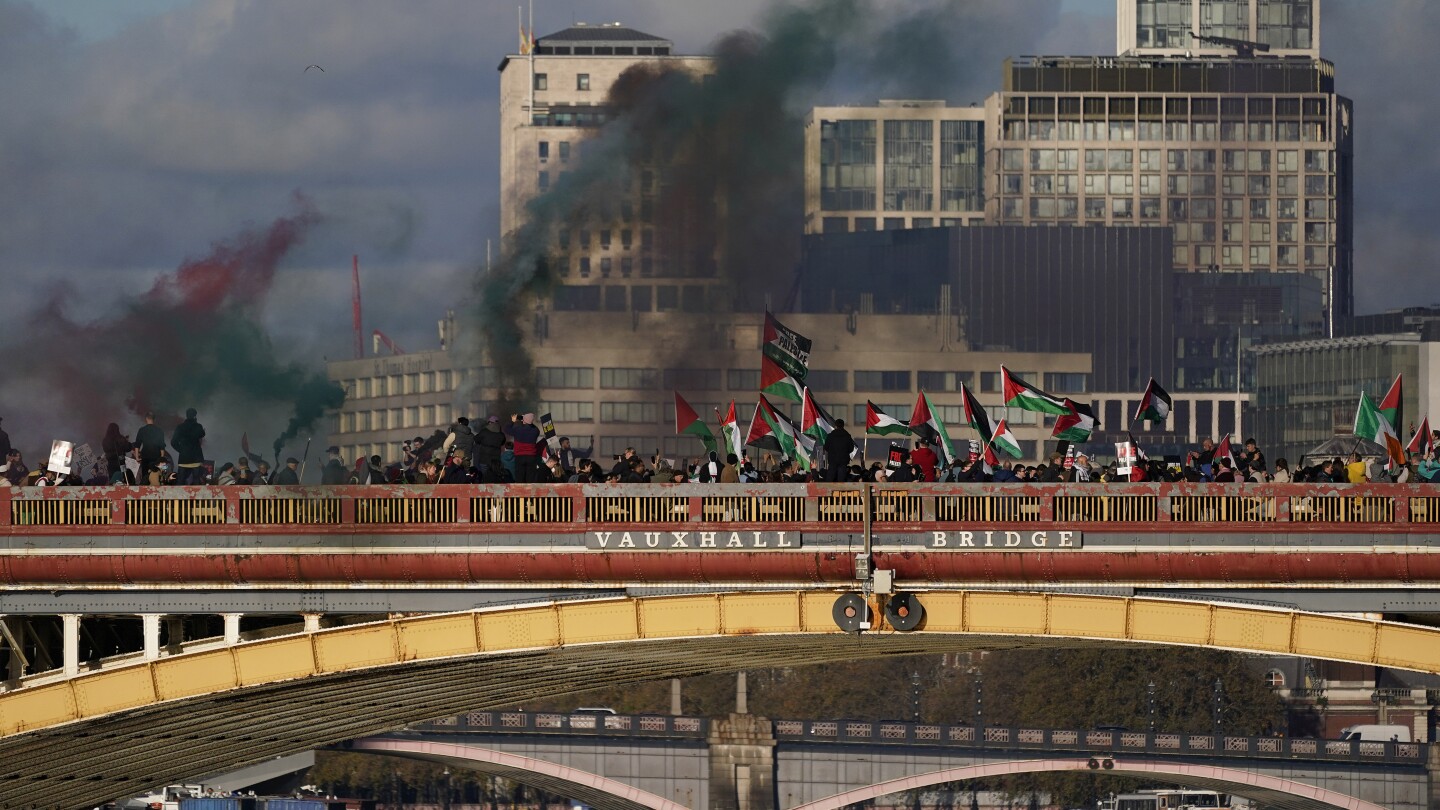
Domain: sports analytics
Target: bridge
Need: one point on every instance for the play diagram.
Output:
(669, 763)
(219, 625)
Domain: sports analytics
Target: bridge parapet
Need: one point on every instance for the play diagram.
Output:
(960, 736)
(828, 506)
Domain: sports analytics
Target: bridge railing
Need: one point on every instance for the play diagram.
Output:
(601, 724)
(1259, 507)
(1010, 738)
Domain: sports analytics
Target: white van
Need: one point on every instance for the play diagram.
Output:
(1376, 733)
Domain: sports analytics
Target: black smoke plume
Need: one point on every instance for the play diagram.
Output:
(723, 156)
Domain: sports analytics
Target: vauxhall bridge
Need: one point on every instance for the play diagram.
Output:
(155, 634)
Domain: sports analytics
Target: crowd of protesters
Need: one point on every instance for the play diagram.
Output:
(518, 452)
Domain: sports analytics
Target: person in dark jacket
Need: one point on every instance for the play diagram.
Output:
(839, 446)
(489, 444)
(527, 438)
(290, 476)
(189, 454)
(152, 445)
(115, 447)
(4, 443)
(464, 438)
(334, 471)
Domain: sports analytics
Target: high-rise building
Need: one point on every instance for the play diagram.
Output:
(1168, 27)
(1247, 160)
(900, 164)
(552, 101)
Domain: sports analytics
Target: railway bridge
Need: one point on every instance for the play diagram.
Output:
(154, 634)
(672, 763)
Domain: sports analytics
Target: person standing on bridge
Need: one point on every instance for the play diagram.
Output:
(290, 476)
(527, 438)
(334, 471)
(839, 447)
(189, 454)
(152, 445)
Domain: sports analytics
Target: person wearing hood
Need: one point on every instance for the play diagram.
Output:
(461, 438)
(527, 437)
(489, 444)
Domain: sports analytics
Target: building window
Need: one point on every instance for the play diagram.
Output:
(693, 379)
(544, 181)
(631, 412)
(828, 380)
(1067, 382)
(743, 379)
(847, 165)
(1275, 679)
(544, 150)
(564, 151)
(882, 381)
(961, 166)
(564, 377)
(605, 266)
(635, 378)
(989, 382)
(582, 81)
(542, 81)
(943, 380)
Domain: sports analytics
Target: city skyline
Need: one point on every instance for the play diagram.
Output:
(201, 124)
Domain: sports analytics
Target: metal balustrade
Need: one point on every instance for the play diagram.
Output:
(285, 511)
(174, 512)
(752, 508)
(1222, 508)
(987, 508)
(405, 510)
(1105, 508)
(1342, 509)
(110, 509)
(522, 509)
(637, 509)
(899, 733)
(47, 512)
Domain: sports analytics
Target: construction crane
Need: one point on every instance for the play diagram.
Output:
(379, 339)
(355, 306)
(1244, 48)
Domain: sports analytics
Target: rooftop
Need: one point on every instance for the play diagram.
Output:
(602, 33)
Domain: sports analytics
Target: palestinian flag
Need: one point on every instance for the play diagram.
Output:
(687, 421)
(784, 361)
(1137, 472)
(925, 424)
(1076, 424)
(730, 431)
(1421, 443)
(1005, 440)
(772, 430)
(1223, 450)
(1371, 424)
(814, 421)
(879, 423)
(779, 383)
(1026, 397)
(1390, 405)
(975, 415)
(1154, 405)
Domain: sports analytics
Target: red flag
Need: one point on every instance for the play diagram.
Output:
(1223, 449)
(1421, 442)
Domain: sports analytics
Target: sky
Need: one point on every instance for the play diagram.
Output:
(137, 134)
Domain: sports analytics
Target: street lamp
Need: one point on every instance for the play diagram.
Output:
(979, 699)
(1219, 704)
(1150, 695)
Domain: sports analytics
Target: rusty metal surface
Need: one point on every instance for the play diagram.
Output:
(1405, 549)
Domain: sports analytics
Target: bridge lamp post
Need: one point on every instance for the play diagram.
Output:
(979, 698)
(1219, 704)
(1150, 696)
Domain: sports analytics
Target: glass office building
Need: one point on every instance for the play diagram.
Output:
(1166, 27)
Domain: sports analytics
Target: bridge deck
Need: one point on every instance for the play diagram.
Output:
(586, 536)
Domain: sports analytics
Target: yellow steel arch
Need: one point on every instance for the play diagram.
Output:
(274, 696)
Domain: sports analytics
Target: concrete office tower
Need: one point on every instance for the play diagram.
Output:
(1166, 27)
(551, 103)
(901, 164)
(1248, 161)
